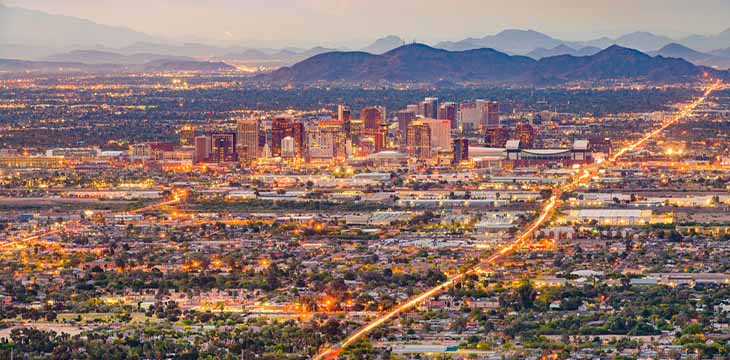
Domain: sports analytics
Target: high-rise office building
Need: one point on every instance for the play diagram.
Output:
(281, 127)
(374, 141)
(223, 147)
(344, 113)
(525, 133)
(440, 133)
(448, 111)
(415, 108)
(461, 150)
(368, 146)
(374, 129)
(317, 147)
(187, 135)
(496, 137)
(388, 137)
(248, 139)
(405, 117)
(490, 117)
(372, 117)
(266, 151)
(332, 137)
(430, 107)
(202, 149)
(418, 140)
(299, 137)
(469, 116)
(355, 131)
(478, 115)
(287, 148)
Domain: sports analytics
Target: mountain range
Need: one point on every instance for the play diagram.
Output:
(522, 42)
(40, 29)
(35, 35)
(53, 42)
(508, 41)
(718, 59)
(518, 41)
(419, 63)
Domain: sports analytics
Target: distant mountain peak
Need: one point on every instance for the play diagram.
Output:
(519, 31)
(643, 40)
(391, 38)
(411, 49)
(33, 27)
(618, 54)
(674, 46)
(640, 33)
(679, 51)
(618, 49)
(415, 45)
(643, 35)
(513, 41)
(384, 44)
(563, 47)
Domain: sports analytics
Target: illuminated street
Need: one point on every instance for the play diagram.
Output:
(281, 181)
(546, 212)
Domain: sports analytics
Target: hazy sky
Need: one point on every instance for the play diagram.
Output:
(338, 22)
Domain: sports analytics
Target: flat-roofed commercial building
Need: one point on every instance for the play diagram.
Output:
(579, 153)
(615, 217)
(74, 153)
(32, 162)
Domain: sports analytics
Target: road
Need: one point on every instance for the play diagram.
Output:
(176, 198)
(686, 111)
(547, 211)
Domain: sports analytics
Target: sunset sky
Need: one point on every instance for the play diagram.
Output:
(350, 22)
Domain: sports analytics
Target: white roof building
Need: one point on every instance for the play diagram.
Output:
(615, 217)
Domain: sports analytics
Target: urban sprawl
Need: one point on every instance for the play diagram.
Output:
(153, 217)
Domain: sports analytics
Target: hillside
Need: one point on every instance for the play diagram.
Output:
(418, 63)
(36, 28)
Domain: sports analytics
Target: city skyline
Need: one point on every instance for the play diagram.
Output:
(300, 180)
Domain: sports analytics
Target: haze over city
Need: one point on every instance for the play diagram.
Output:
(354, 23)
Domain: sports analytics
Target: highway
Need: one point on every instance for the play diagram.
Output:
(686, 111)
(547, 211)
